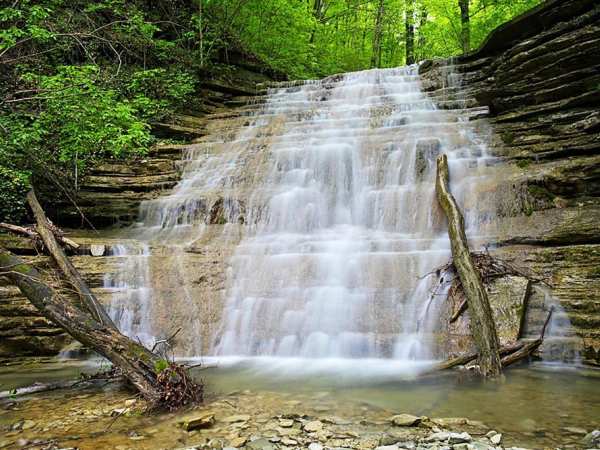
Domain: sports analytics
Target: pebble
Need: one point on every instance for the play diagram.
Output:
(387, 447)
(496, 439)
(315, 446)
(313, 427)
(286, 423)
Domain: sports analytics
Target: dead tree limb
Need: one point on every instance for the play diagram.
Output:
(35, 236)
(529, 348)
(88, 299)
(482, 324)
(160, 383)
(510, 353)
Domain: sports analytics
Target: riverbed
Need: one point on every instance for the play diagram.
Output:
(539, 406)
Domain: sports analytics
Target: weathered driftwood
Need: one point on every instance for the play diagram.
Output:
(510, 354)
(482, 324)
(88, 299)
(528, 348)
(34, 235)
(160, 383)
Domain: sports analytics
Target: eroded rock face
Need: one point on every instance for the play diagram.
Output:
(539, 76)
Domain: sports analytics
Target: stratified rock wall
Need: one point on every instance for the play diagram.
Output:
(539, 75)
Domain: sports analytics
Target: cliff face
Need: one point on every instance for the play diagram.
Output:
(539, 75)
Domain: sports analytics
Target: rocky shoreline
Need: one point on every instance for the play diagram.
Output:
(108, 417)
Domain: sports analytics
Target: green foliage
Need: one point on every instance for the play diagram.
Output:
(155, 91)
(82, 120)
(161, 365)
(13, 187)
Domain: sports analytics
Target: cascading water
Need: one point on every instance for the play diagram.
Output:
(345, 221)
(331, 186)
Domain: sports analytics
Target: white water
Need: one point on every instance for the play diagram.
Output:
(345, 221)
(341, 223)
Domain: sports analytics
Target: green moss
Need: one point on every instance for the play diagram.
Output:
(540, 192)
(508, 137)
(523, 163)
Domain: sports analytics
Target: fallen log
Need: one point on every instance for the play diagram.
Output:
(529, 348)
(88, 299)
(510, 354)
(481, 324)
(33, 235)
(161, 383)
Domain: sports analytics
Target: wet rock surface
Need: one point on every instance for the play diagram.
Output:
(538, 76)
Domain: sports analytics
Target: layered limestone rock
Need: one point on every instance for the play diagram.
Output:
(539, 76)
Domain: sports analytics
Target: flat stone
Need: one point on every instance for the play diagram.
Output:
(238, 442)
(315, 446)
(286, 423)
(28, 424)
(260, 444)
(313, 427)
(592, 439)
(205, 420)
(237, 418)
(387, 447)
(405, 420)
(575, 430)
(450, 438)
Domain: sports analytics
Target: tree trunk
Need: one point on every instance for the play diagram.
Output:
(465, 33)
(88, 299)
(376, 55)
(135, 362)
(420, 45)
(162, 384)
(482, 324)
(409, 25)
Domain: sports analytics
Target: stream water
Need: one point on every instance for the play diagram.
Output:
(541, 406)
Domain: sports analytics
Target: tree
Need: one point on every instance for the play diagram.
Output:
(409, 23)
(377, 35)
(465, 22)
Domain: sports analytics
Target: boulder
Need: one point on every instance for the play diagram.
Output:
(405, 420)
(202, 421)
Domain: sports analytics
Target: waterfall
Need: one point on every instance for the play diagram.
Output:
(345, 221)
(327, 196)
